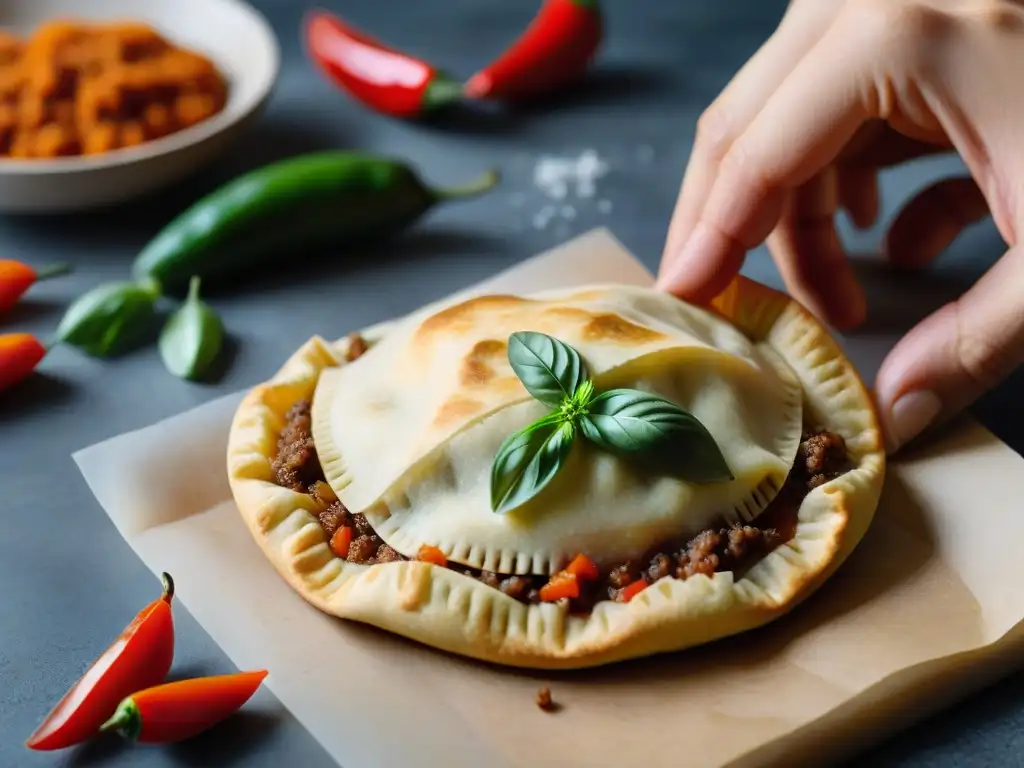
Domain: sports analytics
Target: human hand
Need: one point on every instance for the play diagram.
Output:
(843, 88)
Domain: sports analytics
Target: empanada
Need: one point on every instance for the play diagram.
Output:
(381, 448)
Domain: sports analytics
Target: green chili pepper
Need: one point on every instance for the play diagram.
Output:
(192, 337)
(299, 204)
(110, 319)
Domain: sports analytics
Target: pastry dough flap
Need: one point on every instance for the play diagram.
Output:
(407, 433)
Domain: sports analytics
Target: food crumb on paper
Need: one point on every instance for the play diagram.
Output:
(544, 700)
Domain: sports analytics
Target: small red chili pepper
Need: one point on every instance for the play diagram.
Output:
(20, 353)
(554, 50)
(382, 78)
(16, 278)
(140, 657)
(180, 710)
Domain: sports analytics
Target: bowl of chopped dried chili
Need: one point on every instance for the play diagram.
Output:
(105, 100)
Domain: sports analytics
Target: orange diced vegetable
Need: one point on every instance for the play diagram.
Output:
(632, 590)
(583, 568)
(341, 541)
(429, 554)
(323, 493)
(561, 585)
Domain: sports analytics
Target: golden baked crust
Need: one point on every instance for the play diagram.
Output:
(445, 609)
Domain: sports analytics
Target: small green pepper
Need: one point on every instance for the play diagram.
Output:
(300, 204)
(192, 337)
(110, 319)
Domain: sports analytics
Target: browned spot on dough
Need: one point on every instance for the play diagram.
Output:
(455, 409)
(459, 318)
(588, 296)
(613, 327)
(568, 313)
(478, 366)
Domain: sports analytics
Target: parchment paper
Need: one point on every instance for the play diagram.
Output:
(929, 606)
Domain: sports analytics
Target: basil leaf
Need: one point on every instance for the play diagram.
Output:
(110, 319)
(663, 435)
(527, 461)
(192, 337)
(550, 370)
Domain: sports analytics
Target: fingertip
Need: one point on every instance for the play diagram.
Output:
(704, 266)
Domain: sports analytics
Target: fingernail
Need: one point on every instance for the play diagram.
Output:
(698, 241)
(910, 415)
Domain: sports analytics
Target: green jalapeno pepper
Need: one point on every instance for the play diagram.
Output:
(300, 204)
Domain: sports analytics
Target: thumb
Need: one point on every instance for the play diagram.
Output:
(953, 356)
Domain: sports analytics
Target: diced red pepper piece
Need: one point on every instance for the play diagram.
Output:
(430, 554)
(341, 541)
(630, 591)
(583, 568)
(561, 585)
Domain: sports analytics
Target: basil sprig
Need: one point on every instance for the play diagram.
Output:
(636, 425)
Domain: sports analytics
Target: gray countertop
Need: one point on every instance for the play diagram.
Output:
(69, 583)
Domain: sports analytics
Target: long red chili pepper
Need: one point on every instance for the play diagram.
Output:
(20, 353)
(140, 657)
(382, 78)
(16, 278)
(553, 51)
(180, 710)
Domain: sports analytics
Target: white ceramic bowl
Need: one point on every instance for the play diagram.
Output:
(230, 32)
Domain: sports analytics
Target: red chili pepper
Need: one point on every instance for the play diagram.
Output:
(20, 353)
(180, 710)
(382, 78)
(554, 50)
(16, 278)
(140, 657)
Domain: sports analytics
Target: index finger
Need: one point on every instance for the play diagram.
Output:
(800, 130)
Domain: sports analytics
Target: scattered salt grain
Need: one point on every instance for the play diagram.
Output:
(554, 175)
(543, 216)
(565, 178)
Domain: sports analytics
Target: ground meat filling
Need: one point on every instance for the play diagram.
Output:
(821, 457)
